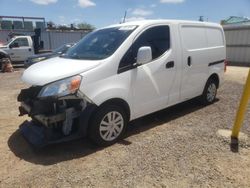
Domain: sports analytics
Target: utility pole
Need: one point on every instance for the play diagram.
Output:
(124, 18)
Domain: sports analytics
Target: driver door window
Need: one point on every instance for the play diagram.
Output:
(158, 38)
(20, 42)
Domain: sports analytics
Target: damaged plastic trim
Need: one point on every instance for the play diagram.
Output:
(69, 113)
(54, 119)
(53, 112)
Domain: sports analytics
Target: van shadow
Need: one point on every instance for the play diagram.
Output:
(56, 153)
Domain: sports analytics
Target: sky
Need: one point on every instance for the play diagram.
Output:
(101, 13)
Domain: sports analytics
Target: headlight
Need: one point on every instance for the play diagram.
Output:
(62, 87)
(35, 60)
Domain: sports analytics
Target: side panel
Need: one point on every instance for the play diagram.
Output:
(116, 86)
(202, 46)
(216, 57)
(217, 51)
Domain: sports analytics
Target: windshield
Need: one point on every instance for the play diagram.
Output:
(100, 44)
(8, 42)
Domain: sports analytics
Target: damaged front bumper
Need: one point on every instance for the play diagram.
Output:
(49, 120)
(53, 119)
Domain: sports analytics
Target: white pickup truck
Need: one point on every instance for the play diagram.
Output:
(19, 48)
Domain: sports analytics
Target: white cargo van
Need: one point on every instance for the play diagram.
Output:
(119, 73)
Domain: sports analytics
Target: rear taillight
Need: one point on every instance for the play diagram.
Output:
(225, 65)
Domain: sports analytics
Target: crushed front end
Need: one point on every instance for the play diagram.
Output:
(59, 112)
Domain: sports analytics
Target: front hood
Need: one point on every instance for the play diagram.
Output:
(55, 69)
(1, 47)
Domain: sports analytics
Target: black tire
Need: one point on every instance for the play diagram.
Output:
(209, 94)
(116, 130)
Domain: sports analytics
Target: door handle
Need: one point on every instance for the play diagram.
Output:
(30, 49)
(189, 61)
(170, 64)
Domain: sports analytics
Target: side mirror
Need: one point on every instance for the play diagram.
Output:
(144, 55)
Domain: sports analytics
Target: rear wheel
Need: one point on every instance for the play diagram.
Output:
(209, 93)
(108, 125)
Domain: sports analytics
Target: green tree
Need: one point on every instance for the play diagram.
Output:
(85, 26)
(223, 22)
(51, 25)
(63, 27)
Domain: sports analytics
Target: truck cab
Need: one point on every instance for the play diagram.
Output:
(19, 48)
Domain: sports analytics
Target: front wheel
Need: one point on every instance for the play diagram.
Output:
(209, 93)
(108, 125)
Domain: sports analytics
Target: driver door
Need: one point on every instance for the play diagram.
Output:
(19, 49)
(151, 83)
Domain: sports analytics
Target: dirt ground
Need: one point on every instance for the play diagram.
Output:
(176, 147)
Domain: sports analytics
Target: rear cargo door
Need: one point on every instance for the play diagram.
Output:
(194, 60)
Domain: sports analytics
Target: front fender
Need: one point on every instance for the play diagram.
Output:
(111, 93)
(116, 86)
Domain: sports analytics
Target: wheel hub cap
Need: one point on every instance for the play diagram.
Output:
(111, 126)
(211, 92)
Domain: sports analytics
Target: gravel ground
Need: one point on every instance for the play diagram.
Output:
(176, 147)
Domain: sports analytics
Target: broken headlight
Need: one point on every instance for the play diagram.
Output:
(61, 88)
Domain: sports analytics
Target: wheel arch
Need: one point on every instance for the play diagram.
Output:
(4, 55)
(119, 102)
(93, 129)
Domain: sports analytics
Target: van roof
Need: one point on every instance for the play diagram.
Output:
(163, 21)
